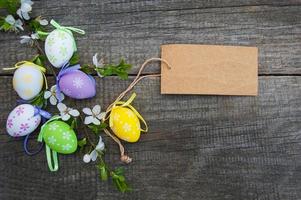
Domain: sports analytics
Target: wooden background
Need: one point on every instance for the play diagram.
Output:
(198, 147)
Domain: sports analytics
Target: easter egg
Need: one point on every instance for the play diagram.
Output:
(77, 85)
(28, 81)
(125, 124)
(60, 137)
(22, 120)
(59, 47)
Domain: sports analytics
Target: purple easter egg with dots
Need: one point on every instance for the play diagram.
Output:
(78, 85)
(22, 121)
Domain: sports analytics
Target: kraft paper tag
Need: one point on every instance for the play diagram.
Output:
(209, 69)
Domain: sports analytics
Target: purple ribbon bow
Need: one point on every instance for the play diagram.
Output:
(65, 70)
(43, 113)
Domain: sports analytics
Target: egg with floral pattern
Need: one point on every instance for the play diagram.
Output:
(125, 124)
(60, 137)
(59, 47)
(77, 85)
(22, 120)
(28, 81)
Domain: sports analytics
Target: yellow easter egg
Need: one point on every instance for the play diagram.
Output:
(125, 124)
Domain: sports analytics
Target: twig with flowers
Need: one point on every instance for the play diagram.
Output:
(18, 19)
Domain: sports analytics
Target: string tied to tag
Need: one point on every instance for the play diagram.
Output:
(123, 157)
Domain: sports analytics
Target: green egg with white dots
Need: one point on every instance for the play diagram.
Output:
(60, 137)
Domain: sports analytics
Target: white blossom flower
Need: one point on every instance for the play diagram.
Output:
(93, 155)
(15, 24)
(52, 96)
(25, 9)
(42, 21)
(25, 39)
(98, 63)
(94, 116)
(67, 112)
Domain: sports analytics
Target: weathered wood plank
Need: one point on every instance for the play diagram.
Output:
(136, 29)
(198, 147)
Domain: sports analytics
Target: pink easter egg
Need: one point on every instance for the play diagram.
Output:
(78, 85)
(21, 121)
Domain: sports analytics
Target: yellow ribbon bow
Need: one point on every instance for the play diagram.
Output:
(127, 104)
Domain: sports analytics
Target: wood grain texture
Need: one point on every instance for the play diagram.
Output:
(136, 29)
(198, 147)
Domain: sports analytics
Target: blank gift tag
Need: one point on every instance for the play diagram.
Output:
(209, 69)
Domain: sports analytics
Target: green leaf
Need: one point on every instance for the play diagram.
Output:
(39, 100)
(6, 26)
(74, 59)
(35, 26)
(97, 128)
(87, 69)
(119, 180)
(10, 5)
(120, 70)
(39, 60)
(73, 123)
(82, 143)
(103, 171)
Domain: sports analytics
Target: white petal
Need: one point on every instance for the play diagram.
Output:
(96, 109)
(61, 107)
(25, 7)
(61, 95)
(74, 113)
(25, 37)
(100, 146)
(96, 121)
(43, 22)
(53, 100)
(53, 88)
(93, 155)
(10, 19)
(95, 61)
(47, 94)
(34, 36)
(25, 15)
(87, 158)
(88, 120)
(100, 139)
(87, 111)
(65, 117)
(101, 115)
(25, 41)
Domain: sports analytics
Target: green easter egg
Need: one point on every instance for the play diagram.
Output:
(60, 137)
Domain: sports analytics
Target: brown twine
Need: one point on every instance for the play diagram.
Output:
(123, 157)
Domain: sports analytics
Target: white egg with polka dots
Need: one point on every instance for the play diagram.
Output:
(22, 120)
(59, 47)
(28, 80)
